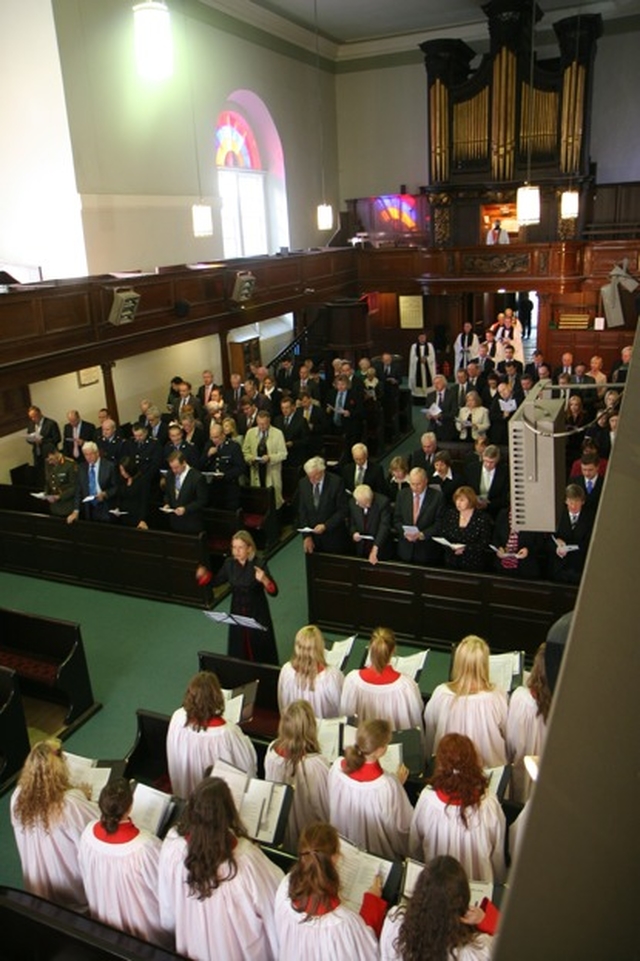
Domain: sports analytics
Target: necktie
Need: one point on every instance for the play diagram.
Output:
(287, 420)
(76, 446)
(316, 495)
(93, 487)
(307, 413)
(337, 417)
(589, 486)
(416, 507)
(359, 476)
(440, 398)
(461, 397)
(178, 483)
(574, 519)
(387, 370)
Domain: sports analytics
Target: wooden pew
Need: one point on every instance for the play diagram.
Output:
(233, 672)
(18, 498)
(147, 759)
(48, 656)
(432, 607)
(14, 737)
(258, 505)
(220, 526)
(154, 564)
(37, 930)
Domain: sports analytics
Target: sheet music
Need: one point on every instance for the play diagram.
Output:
(236, 779)
(255, 804)
(84, 771)
(410, 529)
(40, 495)
(223, 618)
(502, 668)
(565, 547)
(495, 777)
(392, 758)
(340, 651)
(329, 736)
(233, 709)
(410, 664)
(271, 814)
(412, 871)
(150, 808)
(480, 890)
(357, 873)
(446, 543)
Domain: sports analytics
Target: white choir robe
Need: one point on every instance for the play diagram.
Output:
(191, 752)
(236, 923)
(121, 881)
(438, 829)
(400, 703)
(339, 934)
(526, 731)
(480, 949)
(375, 815)
(481, 716)
(325, 697)
(49, 858)
(311, 791)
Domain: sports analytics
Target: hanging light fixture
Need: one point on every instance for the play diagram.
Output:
(325, 210)
(153, 40)
(569, 204)
(528, 197)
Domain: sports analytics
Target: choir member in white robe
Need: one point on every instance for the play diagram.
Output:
(439, 920)
(198, 736)
(466, 346)
(48, 817)
(379, 691)
(119, 865)
(469, 704)
(456, 814)
(367, 805)
(311, 921)
(294, 758)
(527, 726)
(308, 677)
(221, 905)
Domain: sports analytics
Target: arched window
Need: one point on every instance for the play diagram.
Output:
(248, 157)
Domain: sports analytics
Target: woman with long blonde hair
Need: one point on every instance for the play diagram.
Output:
(308, 677)
(48, 815)
(367, 805)
(469, 704)
(378, 690)
(295, 758)
(311, 920)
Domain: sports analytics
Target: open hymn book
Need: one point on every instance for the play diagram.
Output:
(239, 702)
(505, 670)
(413, 870)
(152, 810)
(358, 870)
(339, 653)
(84, 771)
(263, 806)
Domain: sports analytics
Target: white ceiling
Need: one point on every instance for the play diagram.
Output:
(368, 27)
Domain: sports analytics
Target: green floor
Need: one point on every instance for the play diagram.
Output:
(142, 653)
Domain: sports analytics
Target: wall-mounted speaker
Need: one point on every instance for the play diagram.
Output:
(243, 286)
(124, 307)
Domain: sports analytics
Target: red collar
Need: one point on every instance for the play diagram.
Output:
(124, 833)
(319, 909)
(216, 722)
(386, 676)
(370, 771)
(450, 798)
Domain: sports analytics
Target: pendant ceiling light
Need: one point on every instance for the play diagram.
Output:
(528, 197)
(153, 40)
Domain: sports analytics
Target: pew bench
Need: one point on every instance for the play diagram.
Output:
(14, 737)
(234, 672)
(48, 656)
(220, 526)
(258, 506)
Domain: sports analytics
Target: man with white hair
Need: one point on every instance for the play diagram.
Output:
(362, 470)
(322, 509)
(441, 405)
(370, 524)
(96, 487)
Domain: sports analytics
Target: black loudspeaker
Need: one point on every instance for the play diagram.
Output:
(181, 308)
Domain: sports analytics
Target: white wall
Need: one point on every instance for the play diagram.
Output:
(615, 137)
(382, 130)
(40, 223)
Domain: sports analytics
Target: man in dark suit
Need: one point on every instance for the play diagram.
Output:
(295, 430)
(204, 391)
(574, 531)
(187, 399)
(42, 429)
(305, 382)
(223, 458)
(97, 479)
(490, 480)
(388, 369)
(315, 419)
(362, 470)
(533, 366)
(565, 367)
(591, 481)
(177, 444)
(322, 507)
(503, 407)
(186, 495)
(443, 421)
(233, 395)
(510, 358)
(75, 432)
(484, 362)
(425, 456)
(286, 376)
(146, 452)
(419, 507)
(587, 387)
(344, 410)
(158, 429)
(110, 444)
(370, 524)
